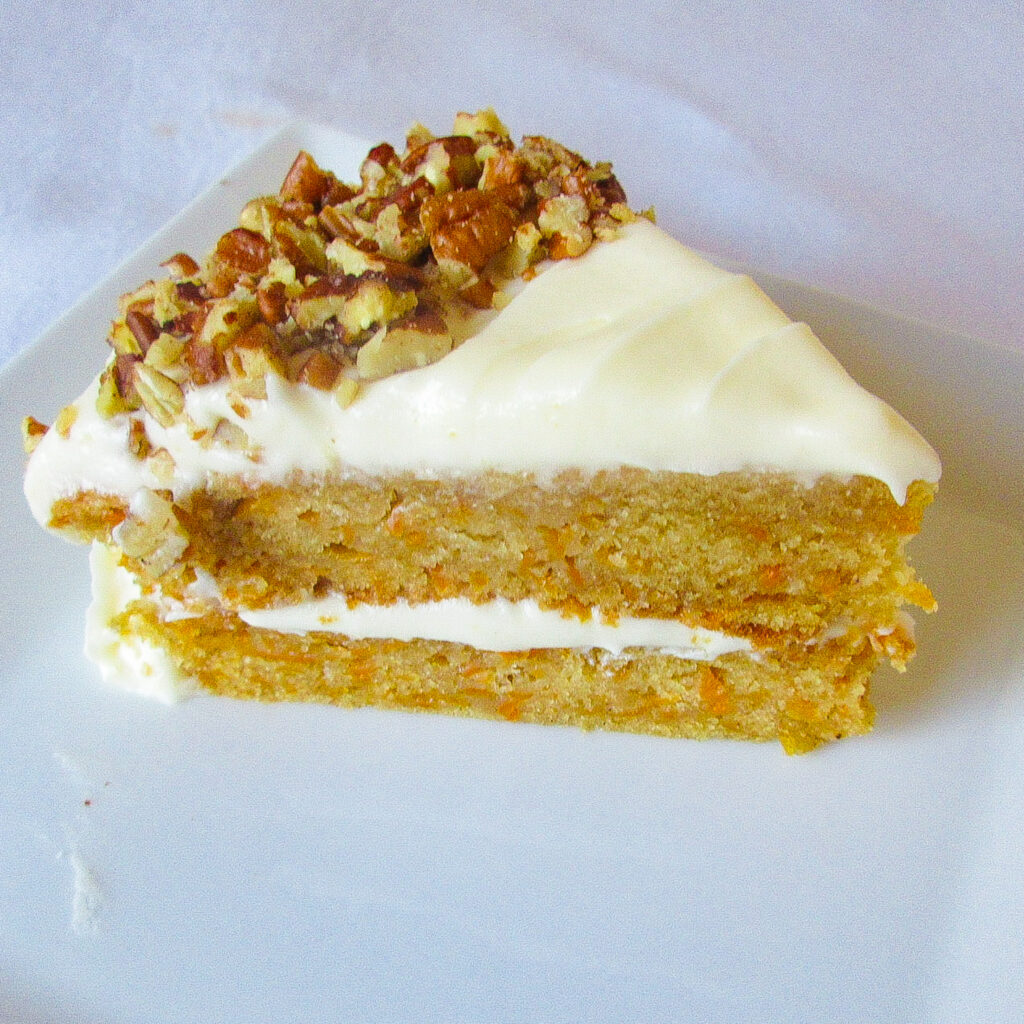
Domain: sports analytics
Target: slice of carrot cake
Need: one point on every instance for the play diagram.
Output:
(469, 435)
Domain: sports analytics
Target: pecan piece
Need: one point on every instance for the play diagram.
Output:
(396, 238)
(160, 396)
(66, 420)
(521, 253)
(227, 318)
(305, 181)
(381, 163)
(317, 369)
(354, 260)
(204, 361)
(122, 339)
(244, 250)
(504, 167)
(143, 327)
(168, 302)
(260, 215)
(138, 441)
(545, 156)
(253, 354)
(228, 435)
(190, 292)
(303, 247)
(272, 300)
(483, 121)
(181, 265)
(165, 352)
(563, 221)
(124, 377)
(479, 293)
(418, 135)
(445, 163)
(32, 432)
(151, 532)
(337, 221)
(467, 227)
(116, 391)
(356, 303)
(405, 344)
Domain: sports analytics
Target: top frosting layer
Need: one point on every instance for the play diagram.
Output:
(639, 353)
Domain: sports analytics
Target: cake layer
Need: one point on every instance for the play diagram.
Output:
(639, 353)
(800, 696)
(759, 557)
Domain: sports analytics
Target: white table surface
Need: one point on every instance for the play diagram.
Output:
(875, 149)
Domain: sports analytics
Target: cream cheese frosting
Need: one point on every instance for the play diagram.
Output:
(125, 661)
(497, 625)
(639, 353)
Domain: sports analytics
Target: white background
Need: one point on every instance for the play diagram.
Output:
(873, 148)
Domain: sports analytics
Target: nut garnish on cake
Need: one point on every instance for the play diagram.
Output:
(328, 283)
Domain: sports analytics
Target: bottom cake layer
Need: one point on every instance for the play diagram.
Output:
(815, 695)
(802, 695)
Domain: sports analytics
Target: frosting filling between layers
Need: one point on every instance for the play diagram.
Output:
(638, 353)
(135, 664)
(498, 625)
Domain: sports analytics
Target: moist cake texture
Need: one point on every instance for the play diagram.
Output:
(471, 436)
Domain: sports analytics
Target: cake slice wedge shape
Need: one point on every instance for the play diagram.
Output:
(470, 436)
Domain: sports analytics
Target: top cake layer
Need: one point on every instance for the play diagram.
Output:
(638, 353)
(548, 329)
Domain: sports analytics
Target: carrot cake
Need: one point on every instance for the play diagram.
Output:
(470, 435)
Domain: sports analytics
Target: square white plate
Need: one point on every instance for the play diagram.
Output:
(231, 862)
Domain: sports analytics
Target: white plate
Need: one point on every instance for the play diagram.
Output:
(221, 861)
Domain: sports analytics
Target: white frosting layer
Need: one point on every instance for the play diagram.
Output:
(638, 353)
(499, 625)
(128, 662)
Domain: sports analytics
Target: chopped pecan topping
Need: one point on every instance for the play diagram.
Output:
(244, 250)
(32, 432)
(143, 327)
(318, 369)
(328, 283)
(305, 181)
(151, 532)
(181, 265)
(415, 340)
(66, 420)
(467, 226)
